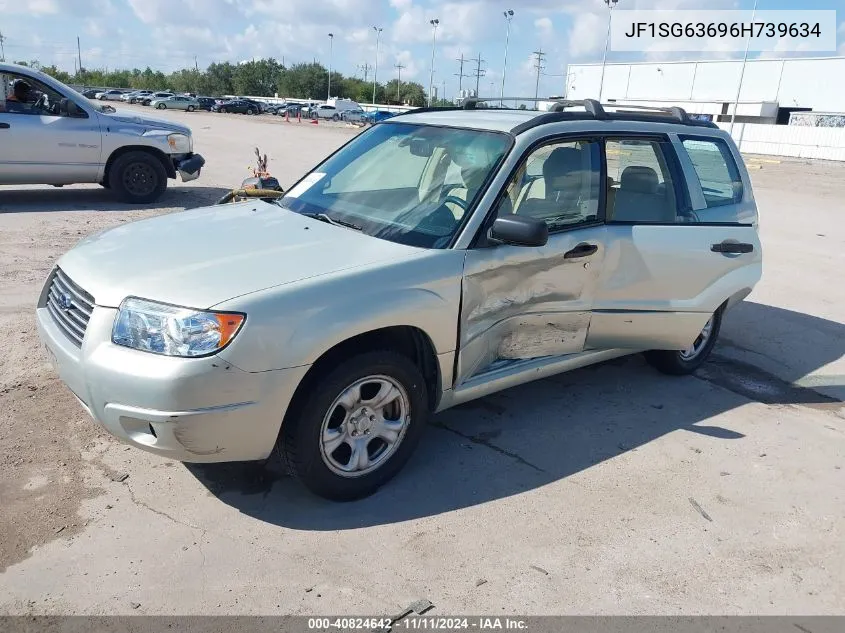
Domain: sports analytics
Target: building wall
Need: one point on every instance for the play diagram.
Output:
(811, 82)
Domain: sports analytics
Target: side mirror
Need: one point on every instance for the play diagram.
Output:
(520, 231)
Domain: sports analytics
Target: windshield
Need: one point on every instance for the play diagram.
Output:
(410, 184)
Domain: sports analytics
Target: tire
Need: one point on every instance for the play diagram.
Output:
(681, 363)
(190, 108)
(335, 117)
(224, 110)
(301, 442)
(250, 111)
(137, 177)
(161, 106)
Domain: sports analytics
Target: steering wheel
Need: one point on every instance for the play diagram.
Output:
(39, 104)
(463, 204)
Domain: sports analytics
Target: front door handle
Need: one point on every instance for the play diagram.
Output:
(732, 247)
(582, 250)
(4, 126)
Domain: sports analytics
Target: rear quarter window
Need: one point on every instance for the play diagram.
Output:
(716, 170)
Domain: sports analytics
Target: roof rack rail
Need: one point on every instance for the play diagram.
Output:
(676, 112)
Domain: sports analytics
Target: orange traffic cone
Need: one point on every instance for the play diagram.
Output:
(287, 116)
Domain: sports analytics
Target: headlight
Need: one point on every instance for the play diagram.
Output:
(180, 143)
(172, 330)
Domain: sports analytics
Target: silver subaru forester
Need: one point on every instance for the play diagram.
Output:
(438, 257)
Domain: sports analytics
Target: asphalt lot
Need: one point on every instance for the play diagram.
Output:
(609, 490)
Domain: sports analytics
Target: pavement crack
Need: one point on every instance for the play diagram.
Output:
(475, 439)
(162, 513)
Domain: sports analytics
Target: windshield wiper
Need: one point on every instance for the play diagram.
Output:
(324, 217)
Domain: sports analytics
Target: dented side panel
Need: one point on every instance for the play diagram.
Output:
(521, 303)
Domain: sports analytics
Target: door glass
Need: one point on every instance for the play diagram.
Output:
(716, 170)
(558, 183)
(639, 183)
(24, 95)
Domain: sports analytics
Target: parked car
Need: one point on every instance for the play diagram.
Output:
(91, 94)
(147, 99)
(205, 103)
(131, 155)
(354, 116)
(378, 115)
(292, 109)
(176, 102)
(238, 106)
(134, 97)
(110, 95)
(325, 111)
(529, 244)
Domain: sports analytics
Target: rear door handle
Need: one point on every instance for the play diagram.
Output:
(4, 126)
(732, 247)
(582, 250)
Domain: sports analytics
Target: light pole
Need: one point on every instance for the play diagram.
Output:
(508, 17)
(331, 50)
(610, 4)
(742, 73)
(434, 23)
(375, 71)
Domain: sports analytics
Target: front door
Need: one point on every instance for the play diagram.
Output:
(520, 303)
(41, 144)
(674, 253)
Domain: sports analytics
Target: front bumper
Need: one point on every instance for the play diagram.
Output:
(186, 409)
(189, 167)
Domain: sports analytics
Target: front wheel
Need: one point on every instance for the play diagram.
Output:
(357, 426)
(250, 111)
(137, 177)
(161, 106)
(684, 362)
(190, 108)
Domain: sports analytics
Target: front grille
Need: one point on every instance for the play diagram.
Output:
(70, 306)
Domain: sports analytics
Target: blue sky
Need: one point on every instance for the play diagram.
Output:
(168, 34)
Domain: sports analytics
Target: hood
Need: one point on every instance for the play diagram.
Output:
(202, 257)
(147, 122)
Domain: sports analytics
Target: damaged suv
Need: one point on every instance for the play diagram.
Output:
(436, 258)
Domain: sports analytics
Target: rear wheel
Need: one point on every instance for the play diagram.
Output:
(357, 426)
(335, 117)
(683, 362)
(137, 177)
(190, 108)
(250, 111)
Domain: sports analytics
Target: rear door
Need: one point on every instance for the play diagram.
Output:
(681, 240)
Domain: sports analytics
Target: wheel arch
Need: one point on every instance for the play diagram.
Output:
(408, 340)
(169, 168)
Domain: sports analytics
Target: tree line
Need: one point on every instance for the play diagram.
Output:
(258, 78)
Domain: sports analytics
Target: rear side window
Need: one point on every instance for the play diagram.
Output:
(716, 170)
(639, 182)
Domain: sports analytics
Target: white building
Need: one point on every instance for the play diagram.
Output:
(771, 88)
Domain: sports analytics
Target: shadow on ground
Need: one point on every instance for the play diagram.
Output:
(529, 436)
(87, 198)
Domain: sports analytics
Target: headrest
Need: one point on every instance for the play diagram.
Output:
(563, 161)
(639, 178)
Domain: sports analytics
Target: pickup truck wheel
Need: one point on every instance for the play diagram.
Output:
(684, 362)
(138, 177)
(357, 427)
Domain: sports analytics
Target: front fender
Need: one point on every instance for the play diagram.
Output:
(289, 327)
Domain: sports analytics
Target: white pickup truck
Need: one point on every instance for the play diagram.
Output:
(52, 135)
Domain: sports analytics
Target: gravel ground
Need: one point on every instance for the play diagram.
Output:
(607, 490)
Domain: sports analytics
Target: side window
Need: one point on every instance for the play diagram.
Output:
(716, 170)
(639, 182)
(24, 95)
(558, 183)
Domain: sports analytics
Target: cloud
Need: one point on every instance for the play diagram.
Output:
(29, 7)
